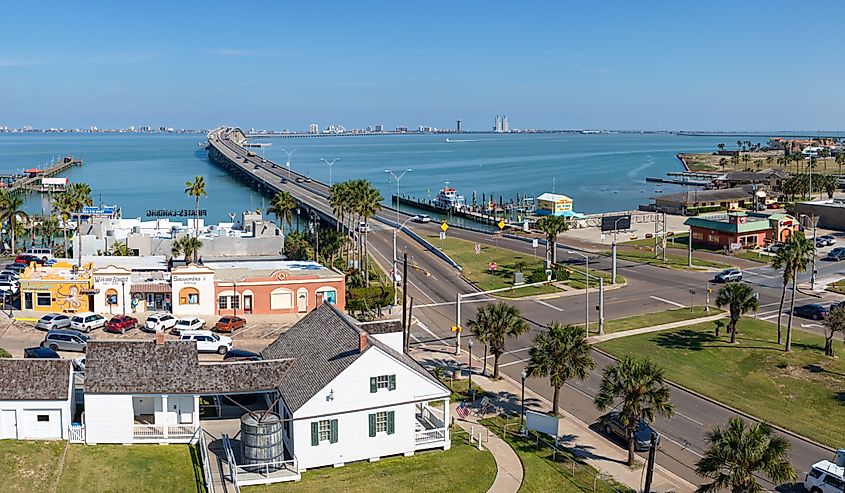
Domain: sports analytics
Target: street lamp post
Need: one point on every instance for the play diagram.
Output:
(586, 291)
(330, 163)
(613, 251)
(395, 259)
(522, 377)
(813, 274)
(288, 161)
(397, 178)
(469, 364)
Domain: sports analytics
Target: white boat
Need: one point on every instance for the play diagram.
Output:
(448, 198)
(448, 139)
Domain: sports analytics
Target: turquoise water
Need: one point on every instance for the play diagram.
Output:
(604, 172)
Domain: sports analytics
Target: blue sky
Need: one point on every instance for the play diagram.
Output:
(628, 65)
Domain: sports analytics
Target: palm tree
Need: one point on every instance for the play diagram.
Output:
(78, 196)
(120, 249)
(723, 162)
(735, 160)
(782, 261)
(721, 146)
(552, 226)
(739, 298)
(745, 159)
(282, 205)
(187, 246)
(499, 321)
(560, 353)
(478, 327)
(11, 212)
(825, 153)
(741, 145)
(63, 206)
(840, 160)
(802, 254)
(368, 204)
(642, 390)
(196, 189)
(736, 454)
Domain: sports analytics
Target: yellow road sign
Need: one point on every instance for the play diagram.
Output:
(456, 328)
(444, 226)
(502, 224)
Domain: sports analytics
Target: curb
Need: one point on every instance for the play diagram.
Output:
(24, 319)
(732, 409)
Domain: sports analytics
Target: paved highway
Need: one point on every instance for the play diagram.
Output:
(434, 284)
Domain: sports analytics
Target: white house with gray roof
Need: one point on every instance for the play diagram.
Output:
(36, 399)
(350, 396)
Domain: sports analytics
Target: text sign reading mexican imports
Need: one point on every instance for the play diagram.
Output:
(617, 223)
(175, 212)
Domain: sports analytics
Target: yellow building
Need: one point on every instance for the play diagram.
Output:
(551, 204)
(60, 287)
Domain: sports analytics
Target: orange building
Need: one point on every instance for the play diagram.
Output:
(275, 287)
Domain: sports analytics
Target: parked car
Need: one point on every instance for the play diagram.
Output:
(840, 304)
(189, 323)
(821, 242)
(119, 324)
(40, 352)
(229, 323)
(15, 280)
(364, 227)
(728, 275)
(8, 288)
(53, 321)
(828, 239)
(242, 355)
(26, 259)
(15, 267)
(11, 273)
(40, 252)
(612, 424)
(421, 218)
(65, 340)
(79, 364)
(158, 322)
(836, 254)
(87, 321)
(814, 311)
(825, 477)
(207, 341)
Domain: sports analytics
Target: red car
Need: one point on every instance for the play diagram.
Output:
(26, 259)
(120, 324)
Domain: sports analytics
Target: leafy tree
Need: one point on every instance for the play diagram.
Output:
(552, 226)
(739, 298)
(196, 189)
(840, 160)
(736, 454)
(560, 353)
(641, 388)
(498, 321)
(297, 247)
(833, 324)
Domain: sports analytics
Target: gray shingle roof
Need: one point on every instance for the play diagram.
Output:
(324, 343)
(693, 197)
(34, 379)
(143, 367)
(382, 326)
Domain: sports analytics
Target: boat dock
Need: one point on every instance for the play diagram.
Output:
(679, 181)
(490, 217)
(31, 179)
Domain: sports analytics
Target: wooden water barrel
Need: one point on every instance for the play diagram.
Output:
(261, 438)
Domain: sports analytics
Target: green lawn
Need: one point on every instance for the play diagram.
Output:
(461, 468)
(672, 261)
(837, 287)
(475, 266)
(679, 242)
(32, 466)
(674, 241)
(801, 390)
(548, 471)
(652, 319)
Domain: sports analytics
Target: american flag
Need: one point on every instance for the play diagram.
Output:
(463, 410)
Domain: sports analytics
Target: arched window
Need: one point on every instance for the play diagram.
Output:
(329, 294)
(111, 296)
(189, 296)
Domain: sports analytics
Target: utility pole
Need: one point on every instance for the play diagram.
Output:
(652, 452)
(458, 324)
(405, 297)
(689, 248)
(288, 161)
(601, 305)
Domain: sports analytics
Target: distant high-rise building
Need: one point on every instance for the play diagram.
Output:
(379, 128)
(458, 127)
(506, 127)
(313, 128)
(497, 127)
(402, 129)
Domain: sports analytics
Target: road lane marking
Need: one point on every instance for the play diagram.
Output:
(549, 305)
(668, 301)
(511, 352)
(687, 417)
(502, 365)
(752, 273)
(436, 339)
(446, 303)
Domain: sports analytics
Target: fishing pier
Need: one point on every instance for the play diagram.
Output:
(38, 180)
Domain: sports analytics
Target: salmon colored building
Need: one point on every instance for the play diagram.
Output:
(275, 287)
(738, 230)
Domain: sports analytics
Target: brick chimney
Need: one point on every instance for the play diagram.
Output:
(362, 341)
(160, 338)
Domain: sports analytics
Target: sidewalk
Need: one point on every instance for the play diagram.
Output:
(595, 449)
(655, 328)
(509, 471)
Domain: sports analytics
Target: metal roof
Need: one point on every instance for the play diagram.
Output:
(237, 271)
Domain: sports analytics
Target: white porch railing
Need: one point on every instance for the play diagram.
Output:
(163, 432)
(433, 415)
(199, 439)
(76, 433)
(259, 473)
(431, 436)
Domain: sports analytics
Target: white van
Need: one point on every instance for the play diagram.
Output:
(207, 341)
(40, 252)
(87, 321)
(826, 476)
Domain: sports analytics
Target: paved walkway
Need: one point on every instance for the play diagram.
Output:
(654, 328)
(594, 448)
(508, 466)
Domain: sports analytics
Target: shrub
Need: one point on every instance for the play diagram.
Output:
(4, 353)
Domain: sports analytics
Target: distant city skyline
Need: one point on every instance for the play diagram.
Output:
(656, 66)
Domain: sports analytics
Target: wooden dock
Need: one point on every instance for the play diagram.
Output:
(30, 179)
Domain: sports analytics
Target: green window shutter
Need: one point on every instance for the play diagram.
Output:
(372, 425)
(333, 433)
(390, 423)
(391, 382)
(315, 434)
(373, 385)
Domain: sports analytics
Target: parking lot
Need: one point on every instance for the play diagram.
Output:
(17, 335)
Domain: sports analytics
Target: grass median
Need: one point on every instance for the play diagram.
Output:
(652, 319)
(461, 468)
(801, 390)
(672, 261)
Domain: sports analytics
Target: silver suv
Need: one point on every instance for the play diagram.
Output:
(53, 321)
(65, 340)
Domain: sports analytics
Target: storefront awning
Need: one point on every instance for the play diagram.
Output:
(151, 287)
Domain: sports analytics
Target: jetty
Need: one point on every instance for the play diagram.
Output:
(679, 181)
(32, 179)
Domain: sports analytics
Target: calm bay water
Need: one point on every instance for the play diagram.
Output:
(604, 172)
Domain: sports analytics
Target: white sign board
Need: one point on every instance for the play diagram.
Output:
(535, 243)
(542, 422)
(53, 181)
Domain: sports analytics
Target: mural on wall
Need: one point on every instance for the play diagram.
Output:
(70, 297)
